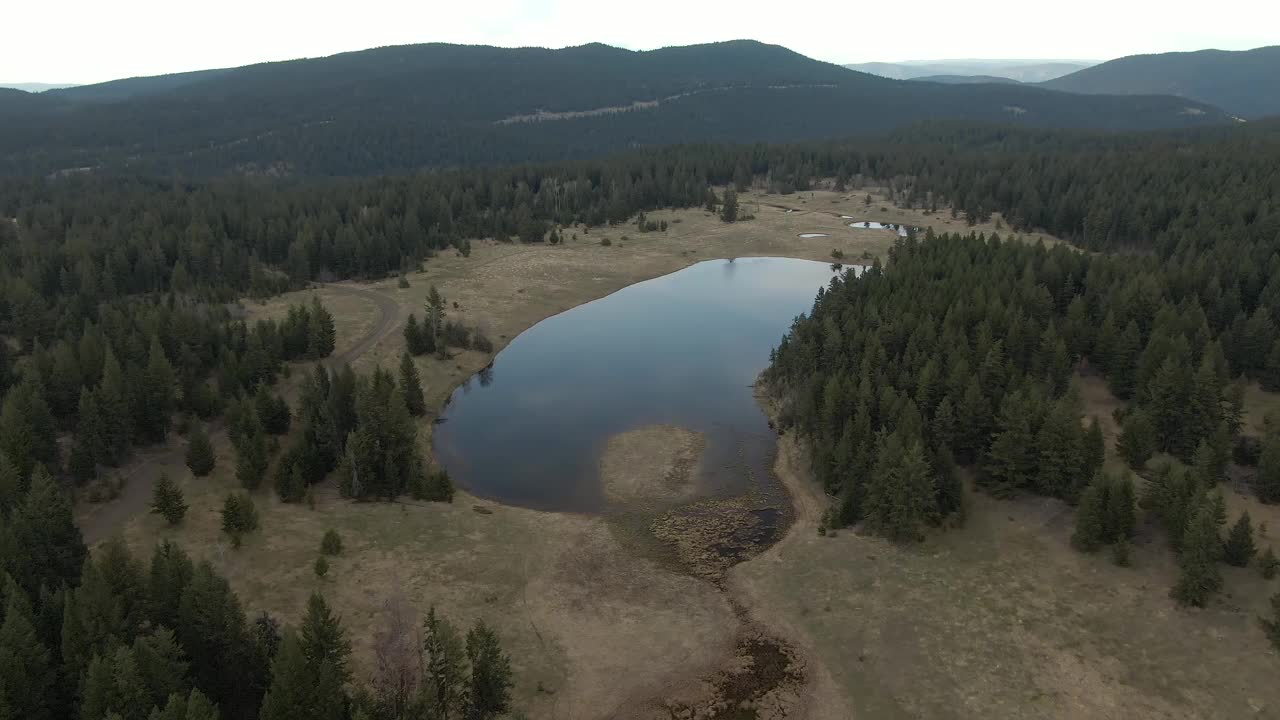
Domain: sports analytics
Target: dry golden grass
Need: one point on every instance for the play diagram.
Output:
(1003, 619)
(601, 630)
(651, 465)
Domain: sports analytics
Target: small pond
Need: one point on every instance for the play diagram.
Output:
(682, 349)
(873, 225)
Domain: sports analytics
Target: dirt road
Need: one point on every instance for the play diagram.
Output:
(98, 522)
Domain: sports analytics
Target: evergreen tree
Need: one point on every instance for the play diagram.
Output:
(27, 677)
(291, 695)
(1239, 549)
(225, 663)
(252, 458)
(239, 516)
(1011, 461)
(321, 567)
(1272, 626)
(42, 525)
(729, 207)
(1268, 563)
(167, 500)
(1267, 484)
(1137, 439)
(489, 689)
(324, 642)
(10, 485)
(444, 683)
(901, 491)
(272, 411)
(435, 313)
(418, 340)
(1091, 517)
(331, 543)
(1201, 550)
(156, 395)
(1060, 447)
(321, 334)
(28, 434)
(1121, 519)
(200, 456)
(411, 386)
(113, 406)
(161, 664)
(170, 573)
(1093, 454)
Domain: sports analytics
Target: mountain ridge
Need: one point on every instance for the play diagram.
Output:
(1243, 82)
(411, 107)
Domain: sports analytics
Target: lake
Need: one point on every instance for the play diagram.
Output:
(682, 349)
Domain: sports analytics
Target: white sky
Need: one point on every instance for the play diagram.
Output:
(82, 41)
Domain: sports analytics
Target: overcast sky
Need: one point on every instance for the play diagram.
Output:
(82, 41)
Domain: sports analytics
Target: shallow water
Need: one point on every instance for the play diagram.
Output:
(682, 349)
(873, 225)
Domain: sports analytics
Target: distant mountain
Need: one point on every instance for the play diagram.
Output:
(405, 108)
(35, 87)
(965, 79)
(1245, 83)
(1027, 71)
(116, 90)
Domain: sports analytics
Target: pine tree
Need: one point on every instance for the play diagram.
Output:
(113, 406)
(1201, 549)
(1267, 484)
(212, 629)
(321, 567)
(252, 458)
(1137, 439)
(1121, 518)
(1268, 563)
(417, 339)
(1091, 517)
(161, 664)
(292, 692)
(1272, 626)
(1239, 549)
(321, 333)
(28, 434)
(411, 386)
(1011, 461)
(167, 500)
(157, 394)
(331, 543)
(444, 682)
(1093, 454)
(200, 457)
(324, 642)
(170, 573)
(729, 207)
(1060, 446)
(489, 689)
(10, 485)
(88, 448)
(27, 677)
(42, 525)
(239, 516)
(900, 493)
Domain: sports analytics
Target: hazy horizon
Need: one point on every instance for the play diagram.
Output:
(149, 37)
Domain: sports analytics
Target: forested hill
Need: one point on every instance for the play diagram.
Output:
(404, 108)
(1245, 83)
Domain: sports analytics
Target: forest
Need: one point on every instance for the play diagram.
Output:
(405, 109)
(952, 359)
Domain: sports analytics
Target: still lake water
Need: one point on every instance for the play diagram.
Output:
(682, 349)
